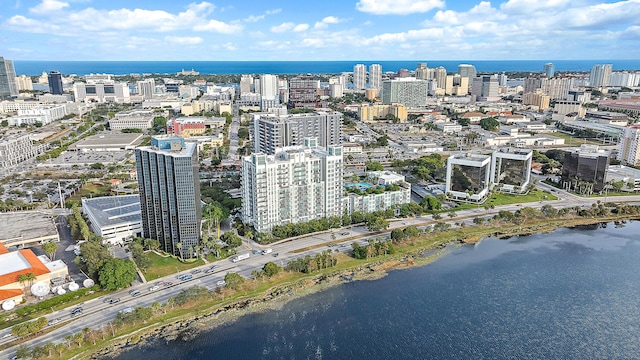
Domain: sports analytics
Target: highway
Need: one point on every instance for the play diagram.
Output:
(97, 314)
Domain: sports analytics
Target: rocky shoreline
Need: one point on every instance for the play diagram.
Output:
(187, 329)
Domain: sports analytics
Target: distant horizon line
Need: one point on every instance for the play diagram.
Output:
(359, 60)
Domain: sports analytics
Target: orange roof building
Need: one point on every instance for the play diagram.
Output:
(16, 263)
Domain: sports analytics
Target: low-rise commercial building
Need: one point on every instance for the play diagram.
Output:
(630, 177)
(22, 262)
(468, 177)
(511, 169)
(15, 149)
(133, 119)
(114, 218)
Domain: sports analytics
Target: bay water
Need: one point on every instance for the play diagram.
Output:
(570, 294)
(28, 67)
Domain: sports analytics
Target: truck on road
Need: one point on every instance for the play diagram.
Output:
(240, 257)
(267, 251)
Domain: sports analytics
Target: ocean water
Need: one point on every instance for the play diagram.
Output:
(570, 294)
(297, 67)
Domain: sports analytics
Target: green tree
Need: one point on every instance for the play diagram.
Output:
(117, 274)
(97, 166)
(50, 248)
(490, 124)
(231, 239)
(243, 133)
(23, 352)
(271, 269)
(397, 235)
(374, 166)
(139, 257)
(233, 280)
(377, 223)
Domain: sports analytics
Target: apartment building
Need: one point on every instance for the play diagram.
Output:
(296, 184)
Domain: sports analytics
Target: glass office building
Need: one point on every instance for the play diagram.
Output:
(170, 193)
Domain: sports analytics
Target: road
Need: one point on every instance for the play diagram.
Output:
(97, 314)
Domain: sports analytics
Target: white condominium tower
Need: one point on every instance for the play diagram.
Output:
(375, 76)
(600, 75)
(271, 132)
(297, 184)
(359, 77)
(629, 147)
(467, 70)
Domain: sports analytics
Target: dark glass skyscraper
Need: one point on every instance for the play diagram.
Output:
(170, 193)
(55, 83)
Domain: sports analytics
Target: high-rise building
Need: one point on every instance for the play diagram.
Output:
(422, 71)
(502, 79)
(485, 88)
(375, 76)
(556, 87)
(466, 70)
(246, 81)
(625, 79)
(359, 77)
(147, 88)
(549, 69)
(456, 85)
(297, 184)
(600, 75)
(410, 92)
(8, 85)
(55, 83)
(303, 92)
(169, 189)
(440, 75)
(538, 99)
(587, 164)
(629, 146)
(269, 92)
(24, 82)
(271, 132)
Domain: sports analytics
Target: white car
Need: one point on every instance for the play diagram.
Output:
(154, 288)
(221, 283)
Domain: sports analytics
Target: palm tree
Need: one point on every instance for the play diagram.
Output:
(179, 246)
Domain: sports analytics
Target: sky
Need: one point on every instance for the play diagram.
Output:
(84, 30)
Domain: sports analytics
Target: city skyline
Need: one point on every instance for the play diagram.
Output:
(334, 30)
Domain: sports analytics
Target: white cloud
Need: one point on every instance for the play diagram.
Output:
(283, 27)
(19, 22)
(230, 47)
(219, 27)
(528, 6)
(398, 7)
(48, 6)
(324, 23)
(184, 40)
(256, 18)
(301, 27)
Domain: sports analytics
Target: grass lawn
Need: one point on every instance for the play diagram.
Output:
(507, 199)
(574, 141)
(91, 189)
(163, 266)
